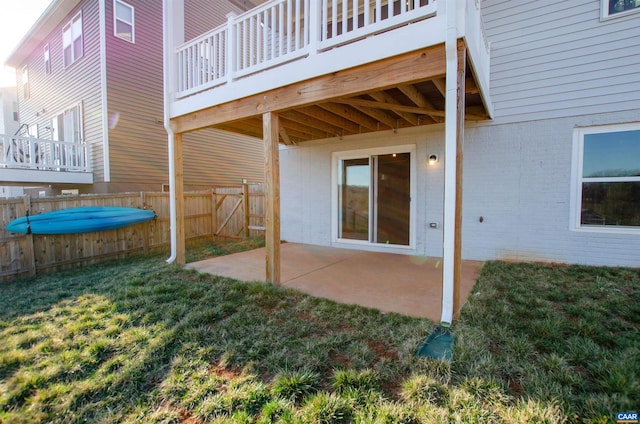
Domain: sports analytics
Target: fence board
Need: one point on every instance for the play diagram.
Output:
(28, 254)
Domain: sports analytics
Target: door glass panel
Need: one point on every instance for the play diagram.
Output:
(355, 181)
(393, 199)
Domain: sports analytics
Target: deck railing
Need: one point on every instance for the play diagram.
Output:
(279, 31)
(38, 154)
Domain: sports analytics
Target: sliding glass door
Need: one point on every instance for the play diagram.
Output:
(374, 198)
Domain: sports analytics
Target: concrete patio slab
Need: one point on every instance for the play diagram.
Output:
(408, 285)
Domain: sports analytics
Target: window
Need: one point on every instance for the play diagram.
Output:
(72, 43)
(67, 126)
(123, 23)
(614, 8)
(47, 60)
(26, 91)
(607, 175)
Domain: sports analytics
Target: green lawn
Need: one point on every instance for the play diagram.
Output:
(142, 341)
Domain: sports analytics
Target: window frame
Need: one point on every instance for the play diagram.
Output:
(336, 158)
(116, 19)
(55, 128)
(577, 179)
(26, 85)
(73, 37)
(47, 59)
(605, 15)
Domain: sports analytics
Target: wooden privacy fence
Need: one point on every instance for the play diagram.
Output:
(219, 212)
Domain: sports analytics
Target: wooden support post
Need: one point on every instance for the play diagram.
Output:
(457, 243)
(245, 199)
(270, 124)
(179, 196)
(30, 252)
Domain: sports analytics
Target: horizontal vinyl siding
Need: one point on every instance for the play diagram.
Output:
(65, 87)
(517, 178)
(220, 158)
(202, 16)
(137, 139)
(553, 59)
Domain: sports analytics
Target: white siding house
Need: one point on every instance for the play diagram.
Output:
(453, 128)
(529, 111)
(557, 69)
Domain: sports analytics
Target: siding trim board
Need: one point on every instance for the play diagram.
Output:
(103, 92)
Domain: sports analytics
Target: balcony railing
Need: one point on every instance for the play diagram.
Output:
(283, 30)
(37, 154)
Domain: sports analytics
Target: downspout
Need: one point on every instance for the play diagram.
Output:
(167, 85)
(450, 161)
(104, 104)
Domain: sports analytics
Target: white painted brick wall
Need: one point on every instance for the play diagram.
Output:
(517, 176)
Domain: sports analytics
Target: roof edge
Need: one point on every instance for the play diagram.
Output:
(51, 17)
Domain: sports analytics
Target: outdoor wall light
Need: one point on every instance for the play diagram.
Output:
(433, 159)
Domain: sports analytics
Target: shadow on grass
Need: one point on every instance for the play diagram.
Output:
(139, 340)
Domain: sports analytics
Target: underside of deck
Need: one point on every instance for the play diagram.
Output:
(390, 94)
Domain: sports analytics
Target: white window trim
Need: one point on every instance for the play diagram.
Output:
(604, 11)
(79, 107)
(47, 59)
(132, 23)
(73, 38)
(26, 84)
(575, 207)
(336, 157)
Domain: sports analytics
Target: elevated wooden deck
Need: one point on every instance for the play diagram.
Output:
(324, 79)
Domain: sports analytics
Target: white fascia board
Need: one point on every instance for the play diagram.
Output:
(28, 176)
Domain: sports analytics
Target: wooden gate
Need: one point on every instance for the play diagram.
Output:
(238, 211)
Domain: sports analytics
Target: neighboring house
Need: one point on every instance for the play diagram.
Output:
(551, 137)
(90, 95)
(9, 125)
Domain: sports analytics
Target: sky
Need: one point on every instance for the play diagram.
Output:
(16, 18)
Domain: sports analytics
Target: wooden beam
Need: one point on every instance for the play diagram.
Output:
(301, 130)
(352, 114)
(384, 97)
(272, 195)
(440, 85)
(408, 68)
(301, 118)
(457, 240)
(285, 136)
(248, 127)
(380, 115)
(347, 126)
(470, 86)
(389, 106)
(419, 100)
(178, 168)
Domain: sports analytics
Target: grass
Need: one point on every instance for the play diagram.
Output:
(142, 341)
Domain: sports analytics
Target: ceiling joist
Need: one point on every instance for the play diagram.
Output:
(400, 92)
